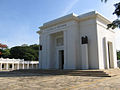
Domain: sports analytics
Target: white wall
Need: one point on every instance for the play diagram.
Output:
(109, 35)
(44, 51)
(73, 30)
(88, 28)
(72, 46)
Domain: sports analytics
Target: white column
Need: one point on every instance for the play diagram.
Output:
(12, 66)
(106, 62)
(7, 66)
(40, 53)
(84, 56)
(48, 51)
(32, 66)
(1, 67)
(65, 51)
(36, 66)
(18, 66)
(27, 65)
(23, 65)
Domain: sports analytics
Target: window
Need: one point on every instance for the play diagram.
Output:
(59, 41)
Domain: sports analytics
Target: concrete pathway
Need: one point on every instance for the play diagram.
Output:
(58, 82)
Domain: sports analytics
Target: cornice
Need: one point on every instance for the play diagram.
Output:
(75, 17)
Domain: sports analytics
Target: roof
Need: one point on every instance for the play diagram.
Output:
(73, 16)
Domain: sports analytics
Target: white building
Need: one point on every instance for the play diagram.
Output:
(62, 46)
(13, 64)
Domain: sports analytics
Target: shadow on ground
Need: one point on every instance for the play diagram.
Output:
(39, 72)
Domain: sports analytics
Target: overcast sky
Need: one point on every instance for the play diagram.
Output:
(20, 19)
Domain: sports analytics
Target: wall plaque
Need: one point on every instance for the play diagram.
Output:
(84, 40)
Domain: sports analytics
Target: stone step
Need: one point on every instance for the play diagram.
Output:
(101, 73)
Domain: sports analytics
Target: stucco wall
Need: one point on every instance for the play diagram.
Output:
(88, 28)
(72, 46)
(109, 35)
(49, 57)
(43, 56)
(73, 28)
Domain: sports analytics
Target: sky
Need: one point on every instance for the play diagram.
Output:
(20, 19)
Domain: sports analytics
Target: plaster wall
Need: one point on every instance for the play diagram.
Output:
(72, 46)
(104, 36)
(73, 28)
(88, 28)
(43, 61)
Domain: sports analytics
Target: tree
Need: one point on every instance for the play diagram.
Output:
(4, 51)
(35, 47)
(3, 46)
(115, 23)
(29, 57)
(25, 52)
(118, 55)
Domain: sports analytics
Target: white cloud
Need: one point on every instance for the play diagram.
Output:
(69, 7)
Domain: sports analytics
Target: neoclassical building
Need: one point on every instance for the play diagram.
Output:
(77, 42)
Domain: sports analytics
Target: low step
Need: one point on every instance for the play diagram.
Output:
(97, 73)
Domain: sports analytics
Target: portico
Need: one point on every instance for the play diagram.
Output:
(56, 51)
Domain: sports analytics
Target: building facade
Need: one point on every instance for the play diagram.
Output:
(14, 64)
(77, 42)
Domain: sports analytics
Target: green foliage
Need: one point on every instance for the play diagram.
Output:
(5, 53)
(28, 57)
(29, 53)
(35, 47)
(115, 23)
(117, 9)
(25, 52)
(118, 55)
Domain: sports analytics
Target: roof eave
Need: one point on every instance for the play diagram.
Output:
(59, 20)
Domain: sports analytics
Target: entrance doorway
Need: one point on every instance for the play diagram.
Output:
(61, 59)
(110, 55)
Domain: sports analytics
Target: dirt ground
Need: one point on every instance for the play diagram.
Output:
(21, 81)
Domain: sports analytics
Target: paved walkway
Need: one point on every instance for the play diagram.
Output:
(57, 82)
